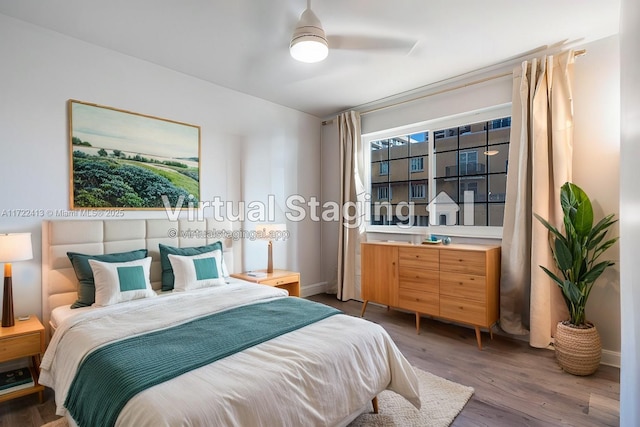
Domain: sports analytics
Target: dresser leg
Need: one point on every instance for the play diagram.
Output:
(364, 307)
(417, 323)
(479, 338)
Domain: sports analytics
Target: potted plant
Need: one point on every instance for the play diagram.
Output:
(576, 254)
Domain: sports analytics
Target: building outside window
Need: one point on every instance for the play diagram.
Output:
(405, 157)
(464, 166)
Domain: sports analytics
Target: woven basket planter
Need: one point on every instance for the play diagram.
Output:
(578, 350)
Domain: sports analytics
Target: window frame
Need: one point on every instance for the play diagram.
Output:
(475, 231)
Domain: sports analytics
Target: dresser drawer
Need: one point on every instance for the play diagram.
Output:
(463, 311)
(469, 262)
(20, 346)
(422, 302)
(281, 280)
(419, 257)
(419, 279)
(464, 286)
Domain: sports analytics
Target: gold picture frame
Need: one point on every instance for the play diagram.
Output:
(125, 160)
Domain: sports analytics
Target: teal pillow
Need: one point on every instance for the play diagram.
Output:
(86, 284)
(168, 277)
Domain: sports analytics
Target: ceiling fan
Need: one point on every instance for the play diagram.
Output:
(310, 44)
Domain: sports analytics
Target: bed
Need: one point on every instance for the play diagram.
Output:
(182, 361)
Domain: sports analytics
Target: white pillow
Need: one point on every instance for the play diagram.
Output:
(220, 259)
(121, 281)
(197, 271)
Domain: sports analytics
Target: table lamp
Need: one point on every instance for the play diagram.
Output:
(268, 232)
(13, 247)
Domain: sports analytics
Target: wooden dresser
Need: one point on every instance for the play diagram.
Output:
(455, 282)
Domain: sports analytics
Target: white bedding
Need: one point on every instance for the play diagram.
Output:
(61, 313)
(318, 375)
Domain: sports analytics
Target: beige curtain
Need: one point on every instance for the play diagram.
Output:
(352, 199)
(539, 163)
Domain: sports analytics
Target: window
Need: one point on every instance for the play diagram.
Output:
(398, 171)
(468, 164)
(384, 168)
(383, 193)
(442, 172)
(418, 191)
(417, 164)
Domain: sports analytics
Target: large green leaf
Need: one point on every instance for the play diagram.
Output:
(571, 291)
(550, 227)
(596, 271)
(602, 225)
(583, 216)
(555, 278)
(563, 255)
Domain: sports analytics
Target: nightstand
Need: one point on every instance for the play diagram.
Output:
(289, 280)
(24, 339)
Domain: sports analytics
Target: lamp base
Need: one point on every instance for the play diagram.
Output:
(7, 304)
(270, 258)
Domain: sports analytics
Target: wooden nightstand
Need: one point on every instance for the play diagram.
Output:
(24, 339)
(289, 280)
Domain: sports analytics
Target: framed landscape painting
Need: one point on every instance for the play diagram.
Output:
(126, 160)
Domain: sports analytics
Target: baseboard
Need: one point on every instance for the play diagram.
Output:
(314, 289)
(610, 358)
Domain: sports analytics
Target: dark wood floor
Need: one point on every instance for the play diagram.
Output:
(515, 385)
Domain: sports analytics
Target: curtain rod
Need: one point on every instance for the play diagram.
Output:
(449, 89)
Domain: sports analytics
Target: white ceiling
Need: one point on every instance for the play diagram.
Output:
(243, 44)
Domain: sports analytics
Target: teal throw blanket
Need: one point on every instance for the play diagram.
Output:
(111, 375)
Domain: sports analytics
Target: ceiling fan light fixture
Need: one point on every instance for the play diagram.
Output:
(309, 42)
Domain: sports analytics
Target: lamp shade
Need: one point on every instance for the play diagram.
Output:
(309, 42)
(15, 247)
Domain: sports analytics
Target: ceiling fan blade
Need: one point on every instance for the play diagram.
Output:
(360, 42)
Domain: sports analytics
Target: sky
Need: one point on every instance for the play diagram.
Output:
(107, 128)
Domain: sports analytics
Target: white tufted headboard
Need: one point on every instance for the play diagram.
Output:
(96, 237)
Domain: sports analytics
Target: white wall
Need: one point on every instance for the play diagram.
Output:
(249, 147)
(630, 212)
(595, 163)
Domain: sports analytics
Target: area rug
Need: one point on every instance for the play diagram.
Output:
(442, 400)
